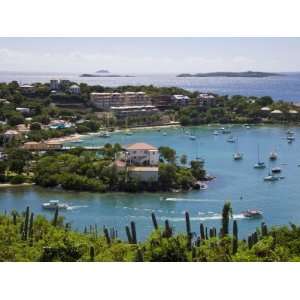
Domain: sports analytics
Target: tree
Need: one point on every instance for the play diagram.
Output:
(226, 214)
(197, 169)
(183, 159)
(167, 154)
(16, 165)
(35, 126)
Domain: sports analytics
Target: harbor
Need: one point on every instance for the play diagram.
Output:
(237, 181)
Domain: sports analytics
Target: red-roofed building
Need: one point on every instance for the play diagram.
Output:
(141, 154)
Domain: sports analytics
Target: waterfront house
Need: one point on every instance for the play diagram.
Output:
(74, 89)
(141, 154)
(144, 173)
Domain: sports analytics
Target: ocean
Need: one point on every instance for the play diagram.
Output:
(286, 87)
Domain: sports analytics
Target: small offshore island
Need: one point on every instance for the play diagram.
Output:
(251, 74)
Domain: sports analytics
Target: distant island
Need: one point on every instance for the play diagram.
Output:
(101, 74)
(231, 74)
(103, 71)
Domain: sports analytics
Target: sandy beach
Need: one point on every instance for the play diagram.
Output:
(6, 185)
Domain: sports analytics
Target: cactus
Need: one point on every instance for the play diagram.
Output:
(202, 232)
(133, 232)
(211, 233)
(235, 240)
(26, 223)
(31, 226)
(215, 232)
(154, 221)
(206, 233)
(92, 253)
(128, 235)
(107, 236)
(14, 215)
(254, 238)
(226, 213)
(250, 243)
(264, 229)
(21, 228)
(188, 223)
(198, 241)
(168, 230)
(55, 219)
(139, 255)
(85, 230)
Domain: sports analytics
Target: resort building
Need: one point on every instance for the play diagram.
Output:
(122, 112)
(105, 101)
(140, 154)
(42, 146)
(54, 84)
(23, 128)
(23, 110)
(180, 100)
(162, 101)
(74, 89)
(10, 134)
(27, 89)
(206, 100)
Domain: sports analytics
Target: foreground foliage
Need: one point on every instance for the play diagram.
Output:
(24, 237)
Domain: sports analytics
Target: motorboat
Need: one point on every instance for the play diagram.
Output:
(104, 134)
(276, 170)
(271, 178)
(53, 204)
(290, 138)
(231, 139)
(216, 132)
(290, 132)
(128, 132)
(237, 156)
(252, 213)
(164, 133)
(192, 137)
(225, 130)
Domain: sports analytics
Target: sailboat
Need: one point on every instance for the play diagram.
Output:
(271, 177)
(237, 155)
(127, 131)
(259, 164)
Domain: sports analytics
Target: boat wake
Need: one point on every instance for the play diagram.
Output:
(204, 218)
(72, 207)
(197, 200)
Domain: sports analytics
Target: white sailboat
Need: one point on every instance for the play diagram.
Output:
(273, 155)
(237, 155)
(259, 164)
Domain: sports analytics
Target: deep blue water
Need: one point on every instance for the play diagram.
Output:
(285, 87)
(279, 201)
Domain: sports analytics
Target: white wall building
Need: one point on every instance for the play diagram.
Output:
(74, 89)
(54, 84)
(141, 154)
(180, 99)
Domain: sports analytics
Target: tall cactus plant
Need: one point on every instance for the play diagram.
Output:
(107, 237)
(55, 219)
(235, 240)
(133, 232)
(154, 221)
(26, 224)
(226, 214)
(92, 253)
(128, 233)
(31, 226)
(202, 232)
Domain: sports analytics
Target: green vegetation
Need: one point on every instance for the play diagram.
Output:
(26, 237)
(82, 170)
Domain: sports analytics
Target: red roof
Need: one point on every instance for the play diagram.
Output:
(140, 146)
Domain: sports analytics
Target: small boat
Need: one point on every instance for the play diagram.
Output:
(252, 213)
(271, 178)
(128, 132)
(192, 137)
(276, 170)
(273, 155)
(225, 130)
(76, 141)
(104, 134)
(53, 204)
(216, 132)
(231, 139)
(290, 138)
(290, 132)
(164, 133)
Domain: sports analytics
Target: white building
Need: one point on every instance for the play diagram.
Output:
(141, 154)
(74, 89)
(54, 84)
(180, 100)
(206, 100)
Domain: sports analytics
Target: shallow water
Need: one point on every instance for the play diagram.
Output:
(235, 179)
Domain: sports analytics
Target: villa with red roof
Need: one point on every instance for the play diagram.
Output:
(141, 154)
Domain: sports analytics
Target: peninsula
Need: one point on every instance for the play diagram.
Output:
(231, 74)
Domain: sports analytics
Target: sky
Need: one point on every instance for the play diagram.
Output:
(149, 55)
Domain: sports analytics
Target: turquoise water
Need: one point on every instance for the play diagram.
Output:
(279, 201)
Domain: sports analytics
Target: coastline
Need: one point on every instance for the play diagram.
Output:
(8, 185)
